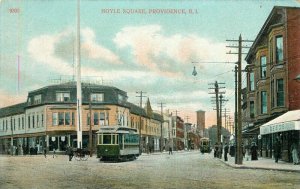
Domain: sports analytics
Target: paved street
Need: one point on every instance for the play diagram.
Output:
(180, 170)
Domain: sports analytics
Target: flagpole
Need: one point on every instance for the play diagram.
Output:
(78, 83)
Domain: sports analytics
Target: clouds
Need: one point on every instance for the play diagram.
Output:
(152, 48)
(148, 58)
(57, 50)
(95, 51)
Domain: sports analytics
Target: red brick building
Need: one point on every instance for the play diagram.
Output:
(272, 91)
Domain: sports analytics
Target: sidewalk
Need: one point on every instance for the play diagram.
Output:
(262, 163)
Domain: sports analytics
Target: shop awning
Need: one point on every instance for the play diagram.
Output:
(286, 122)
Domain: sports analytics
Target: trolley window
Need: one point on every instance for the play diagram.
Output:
(108, 139)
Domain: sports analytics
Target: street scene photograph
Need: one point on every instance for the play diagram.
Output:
(170, 94)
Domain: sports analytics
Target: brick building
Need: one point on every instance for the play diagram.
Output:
(272, 91)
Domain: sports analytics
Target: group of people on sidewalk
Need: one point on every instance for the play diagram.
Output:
(254, 154)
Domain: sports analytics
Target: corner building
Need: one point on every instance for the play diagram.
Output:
(272, 91)
(48, 119)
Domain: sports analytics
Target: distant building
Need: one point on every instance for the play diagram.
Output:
(178, 132)
(200, 122)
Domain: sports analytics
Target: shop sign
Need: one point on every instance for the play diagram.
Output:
(279, 127)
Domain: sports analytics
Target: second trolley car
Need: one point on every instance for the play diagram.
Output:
(205, 145)
(117, 143)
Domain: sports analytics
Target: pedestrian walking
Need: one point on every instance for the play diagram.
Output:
(54, 153)
(216, 150)
(294, 150)
(226, 148)
(70, 153)
(277, 150)
(254, 151)
(170, 150)
(45, 152)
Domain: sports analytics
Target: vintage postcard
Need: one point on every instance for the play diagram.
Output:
(149, 93)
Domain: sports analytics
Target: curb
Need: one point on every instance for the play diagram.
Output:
(261, 168)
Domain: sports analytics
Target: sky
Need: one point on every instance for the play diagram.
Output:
(134, 45)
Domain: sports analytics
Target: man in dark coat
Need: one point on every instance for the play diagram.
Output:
(226, 152)
(254, 151)
(70, 153)
(277, 150)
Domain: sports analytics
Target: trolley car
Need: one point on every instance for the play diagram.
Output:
(205, 145)
(117, 143)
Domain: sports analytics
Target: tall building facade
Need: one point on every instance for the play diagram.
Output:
(272, 91)
(201, 122)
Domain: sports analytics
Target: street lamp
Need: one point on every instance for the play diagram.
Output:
(194, 73)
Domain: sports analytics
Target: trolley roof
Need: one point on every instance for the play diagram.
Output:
(117, 129)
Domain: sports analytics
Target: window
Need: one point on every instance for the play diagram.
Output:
(19, 123)
(54, 118)
(263, 102)
(29, 101)
(62, 96)
(263, 68)
(102, 118)
(61, 119)
(97, 97)
(251, 80)
(107, 118)
(280, 92)
(121, 98)
(96, 118)
(22, 122)
(73, 118)
(42, 120)
(37, 121)
(29, 122)
(106, 138)
(279, 49)
(272, 94)
(67, 118)
(33, 121)
(88, 118)
(252, 109)
(271, 51)
(37, 99)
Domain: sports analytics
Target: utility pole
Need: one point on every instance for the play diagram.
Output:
(185, 132)
(161, 123)
(235, 117)
(217, 92)
(140, 125)
(239, 155)
(90, 131)
(221, 103)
